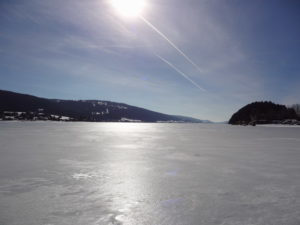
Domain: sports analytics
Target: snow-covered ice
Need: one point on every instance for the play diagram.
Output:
(153, 174)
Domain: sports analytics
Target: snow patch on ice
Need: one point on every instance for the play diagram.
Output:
(83, 176)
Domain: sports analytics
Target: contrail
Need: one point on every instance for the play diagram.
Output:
(171, 43)
(181, 73)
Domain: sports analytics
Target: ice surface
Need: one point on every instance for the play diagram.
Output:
(154, 174)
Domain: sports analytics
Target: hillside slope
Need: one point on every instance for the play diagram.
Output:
(27, 107)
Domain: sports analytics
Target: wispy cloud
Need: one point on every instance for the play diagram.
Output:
(207, 44)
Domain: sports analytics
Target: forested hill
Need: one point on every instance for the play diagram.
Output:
(15, 106)
(264, 113)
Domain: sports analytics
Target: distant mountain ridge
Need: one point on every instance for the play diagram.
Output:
(27, 107)
(265, 113)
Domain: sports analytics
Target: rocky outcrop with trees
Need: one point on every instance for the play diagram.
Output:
(265, 113)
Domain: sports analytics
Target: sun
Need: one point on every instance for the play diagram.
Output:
(129, 8)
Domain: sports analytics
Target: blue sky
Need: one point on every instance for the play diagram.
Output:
(74, 49)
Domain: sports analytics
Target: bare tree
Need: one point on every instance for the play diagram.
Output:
(296, 107)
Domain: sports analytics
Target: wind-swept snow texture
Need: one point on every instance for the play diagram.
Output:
(153, 174)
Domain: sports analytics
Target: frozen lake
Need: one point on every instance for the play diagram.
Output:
(148, 174)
